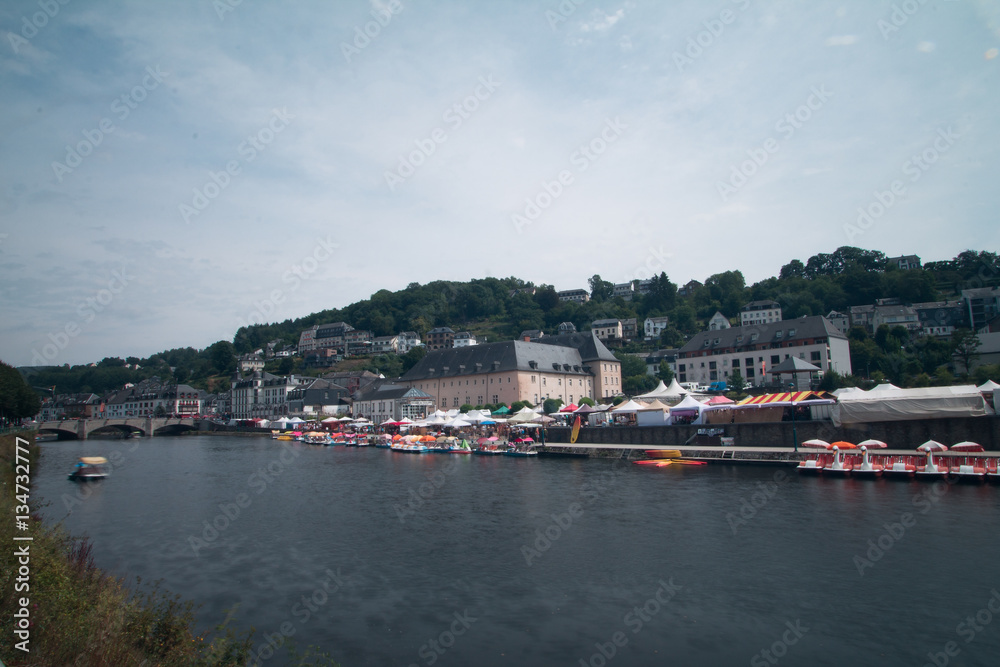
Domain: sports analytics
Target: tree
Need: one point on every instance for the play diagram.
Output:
(411, 358)
(519, 405)
(666, 372)
(551, 405)
(587, 400)
(736, 382)
(465, 407)
(222, 356)
(17, 399)
(631, 364)
(601, 290)
(285, 366)
(160, 411)
(965, 347)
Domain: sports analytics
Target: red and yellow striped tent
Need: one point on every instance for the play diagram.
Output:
(785, 398)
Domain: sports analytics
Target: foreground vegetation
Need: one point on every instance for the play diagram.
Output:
(82, 617)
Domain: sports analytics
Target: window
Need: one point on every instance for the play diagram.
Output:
(682, 368)
(736, 362)
(791, 332)
(816, 355)
(749, 373)
(777, 334)
(532, 379)
(711, 367)
(775, 359)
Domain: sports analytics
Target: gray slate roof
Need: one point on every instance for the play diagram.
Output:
(815, 326)
(514, 355)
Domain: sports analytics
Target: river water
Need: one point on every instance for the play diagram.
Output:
(386, 558)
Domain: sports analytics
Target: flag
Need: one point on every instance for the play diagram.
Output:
(576, 430)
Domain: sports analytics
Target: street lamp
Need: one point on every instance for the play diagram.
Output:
(795, 435)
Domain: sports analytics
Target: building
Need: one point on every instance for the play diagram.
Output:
(624, 290)
(688, 288)
(150, 398)
(760, 312)
(70, 406)
(263, 395)
(654, 359)
(654, 326)
(566, 327)
(607, 330)
(891, 316)
(318, 397)
(531, 334)
(307, 340)
(248, 363)
(718, 322)
(407, 341)
(385, 345)
(358, 342)
(530, 291)
(568, 367)
(840, 321)
(440, 338)
(982, 305)
(904, 262)
(353, 381)
(384, 401)
(630, 329)
(715, 355)
(322, 358)
(645, 286)
(862, 316)
(940, 318)
(463, 339)
(575, 295)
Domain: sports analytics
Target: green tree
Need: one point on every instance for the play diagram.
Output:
(587, 400)
(465, 407)
(666, 372)
(222, 356)
(600, 290)
(965, 347)
(631, 364)
(17, 399)
(735, 382)
(411, 358)
(551, 405)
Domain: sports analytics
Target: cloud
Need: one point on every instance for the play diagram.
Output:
(842, 40)
(601, 21)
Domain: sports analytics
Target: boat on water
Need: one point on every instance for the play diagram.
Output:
(867, 468)
(839, 466)
(89, 469)
(520, 452)
(489, 451)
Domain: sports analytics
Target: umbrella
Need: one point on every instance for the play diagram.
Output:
(482, 441)
(967, 447)
(932, 446)
(844, 445)
(493, 438)
(873, 444)
(389, 422)
(527, 438)
(817, 444)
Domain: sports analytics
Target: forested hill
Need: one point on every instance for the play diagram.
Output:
(835, 281)
(494, 309)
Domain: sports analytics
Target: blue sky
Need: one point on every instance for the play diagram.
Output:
(169, 171)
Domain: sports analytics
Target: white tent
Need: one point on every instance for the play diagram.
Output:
(686, 408)
(280, 422)
(628, 406)
(660, 391)
(523, 416)
(675, 389)
(329, 420)
(887, 403)
(988, 387)
(296, 420)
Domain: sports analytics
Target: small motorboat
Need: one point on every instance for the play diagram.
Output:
(899, 469)
(89, 469)
(839, 467)
(810, 467)
(974, 471)
(520, 452)
(867, 468)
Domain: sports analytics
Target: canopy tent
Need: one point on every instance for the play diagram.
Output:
(524, 415)
(584, 409)
(657, 405)
(663, 391)
(329, 420)
(628, 406)
(296, 420)
(572, 407)
(686, 409)
(888, 403)
(502, 410)
(720, 400)
(988, 387)
(280, 422)
(787, 398)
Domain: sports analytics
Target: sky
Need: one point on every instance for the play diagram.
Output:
(172, 171)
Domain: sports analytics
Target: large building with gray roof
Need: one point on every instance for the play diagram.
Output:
(569, 366)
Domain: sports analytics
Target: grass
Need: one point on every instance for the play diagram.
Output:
(82, 617)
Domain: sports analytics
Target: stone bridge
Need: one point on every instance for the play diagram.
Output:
(80, 429)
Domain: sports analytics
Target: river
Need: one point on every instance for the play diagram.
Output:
(386, 558)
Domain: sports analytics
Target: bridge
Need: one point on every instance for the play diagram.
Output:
(81, 429)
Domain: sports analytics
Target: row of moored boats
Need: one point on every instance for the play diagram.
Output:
(844, 458)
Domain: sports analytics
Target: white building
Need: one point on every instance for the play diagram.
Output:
(263, 395)
(625, 290)
(577, 295)
(715, 355)
(607, 330)
(760, 312)
(463, 339)
(718, 322)
(407, 341)
(839, 320)
(654, 326)
(385, 345)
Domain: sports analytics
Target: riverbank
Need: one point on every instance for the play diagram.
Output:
(74, 613)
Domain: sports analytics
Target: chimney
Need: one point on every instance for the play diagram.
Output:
(527, 339)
